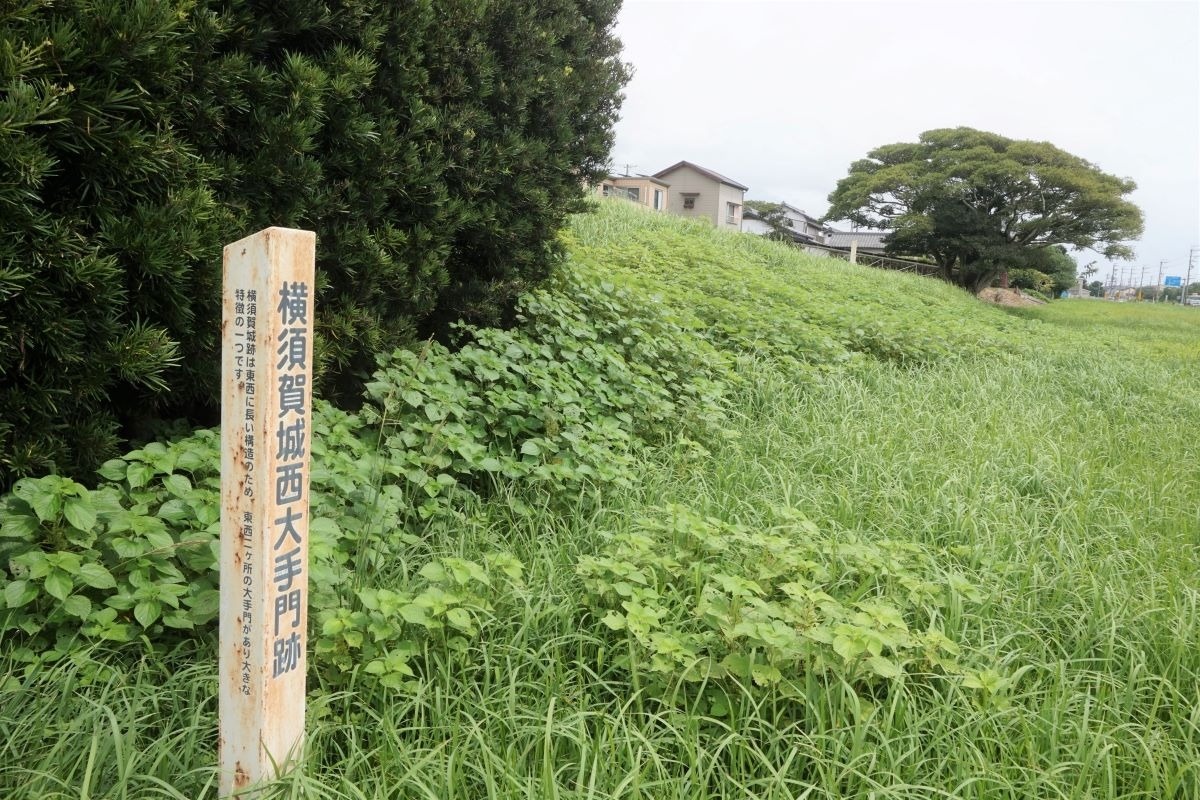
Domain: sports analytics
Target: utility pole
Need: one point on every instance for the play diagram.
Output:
(1158, 284)
(1188, 280)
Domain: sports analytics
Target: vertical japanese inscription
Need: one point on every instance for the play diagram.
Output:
(265, 424)
(289, 574)
(245, 354)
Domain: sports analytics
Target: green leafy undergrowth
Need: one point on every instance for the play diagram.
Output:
(642, 335)
(563, 401)
(446, 604)
(558, 405)
(702, 599)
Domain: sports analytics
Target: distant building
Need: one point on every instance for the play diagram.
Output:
(803, 228)
(702, 193)
(869, 242)
(642, 189)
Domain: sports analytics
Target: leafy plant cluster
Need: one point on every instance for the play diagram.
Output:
(435, 148)
(704, 599)
(594, 371)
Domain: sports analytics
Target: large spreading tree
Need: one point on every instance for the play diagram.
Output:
(980, 204)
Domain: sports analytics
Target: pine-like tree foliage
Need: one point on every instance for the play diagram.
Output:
(435, 146)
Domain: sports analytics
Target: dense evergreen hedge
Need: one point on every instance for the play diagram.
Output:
(435, 146)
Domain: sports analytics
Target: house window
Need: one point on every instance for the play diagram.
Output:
(633, 193)
(732, 211)
(658, 199)
(689, 202)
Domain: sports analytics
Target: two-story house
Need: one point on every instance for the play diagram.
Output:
(700, 192)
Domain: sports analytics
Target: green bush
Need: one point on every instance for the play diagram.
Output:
(436, 148)
(1030, 279)
(109, 234)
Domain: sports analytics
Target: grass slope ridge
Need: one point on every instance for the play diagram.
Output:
(718, 520)
(758, 297)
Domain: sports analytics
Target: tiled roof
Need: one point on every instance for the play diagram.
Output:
(865, 239)
(716, 176)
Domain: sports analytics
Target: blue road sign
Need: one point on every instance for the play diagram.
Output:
(1173, 280)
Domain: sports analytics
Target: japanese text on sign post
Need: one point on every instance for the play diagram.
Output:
(265, 423)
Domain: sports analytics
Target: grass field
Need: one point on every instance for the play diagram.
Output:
(896, 434)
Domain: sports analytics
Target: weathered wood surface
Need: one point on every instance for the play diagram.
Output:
(266, 332)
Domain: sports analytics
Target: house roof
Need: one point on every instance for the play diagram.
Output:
(865, 239)
(716, 176)
(650, 178)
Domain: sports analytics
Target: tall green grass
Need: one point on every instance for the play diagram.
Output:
(1044, 454)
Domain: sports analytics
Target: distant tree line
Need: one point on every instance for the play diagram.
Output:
(435, 147)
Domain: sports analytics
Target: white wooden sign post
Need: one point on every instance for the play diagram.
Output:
(266, 408)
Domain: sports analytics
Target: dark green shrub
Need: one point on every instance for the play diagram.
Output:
(105, 219)
(436, 148)
(1030, 279)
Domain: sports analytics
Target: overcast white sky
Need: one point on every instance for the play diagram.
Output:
(782, 96)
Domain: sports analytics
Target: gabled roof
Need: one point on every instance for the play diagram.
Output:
(716, 176)
(804, 214)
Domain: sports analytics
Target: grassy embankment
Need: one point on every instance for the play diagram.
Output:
(1042, 462)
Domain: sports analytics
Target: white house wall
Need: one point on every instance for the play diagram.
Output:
(755, 226)
(728, 194)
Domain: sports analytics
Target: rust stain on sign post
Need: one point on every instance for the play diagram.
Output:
(266, 408)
